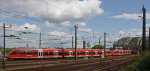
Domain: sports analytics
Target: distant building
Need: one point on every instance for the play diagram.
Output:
(84, 44)
(133, 43)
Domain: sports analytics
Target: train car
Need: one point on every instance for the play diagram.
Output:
(69, 53)
(115, 52)
(83, 53)
(127, 52)
(24, 53)
(96, 53)
(121, 52)
(80, 53)
(33, 53)
(109, 53)
(52, 53)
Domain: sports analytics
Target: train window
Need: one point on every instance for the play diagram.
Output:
(50, 53)
(59, 53)
(14, 52)
(96, 53)
(74, 53)
(55, 53)
(90, 52)
(70, 53)
(86, 53)
(29, 52)
(78, 53)
(82, 53)
(32, 51)
(99, 52)
(25, 52)
(66, 53)
(45, 53)
(18, 52)
(93, 52)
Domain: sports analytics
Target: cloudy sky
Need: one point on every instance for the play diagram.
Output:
(56, 19)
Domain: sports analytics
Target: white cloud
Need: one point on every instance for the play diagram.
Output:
(22, 28)
(88, 30)
(81, 24)
(60, 37)
(50, 24)
(121, 32)
(82, 27)
(19, 38)
(131, 16)
(53, 25)
(26, 27)
(55, 11)
(134, 32)
(56, 33)
(65, 24)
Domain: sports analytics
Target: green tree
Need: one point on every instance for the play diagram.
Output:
(7, 50)
(111, 48)
(97, 47)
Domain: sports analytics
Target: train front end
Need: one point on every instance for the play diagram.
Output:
(23, 53)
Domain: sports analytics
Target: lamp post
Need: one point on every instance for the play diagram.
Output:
(3, 62)
(144, 29)
(76, 42)
(104, 44)
(40, 41)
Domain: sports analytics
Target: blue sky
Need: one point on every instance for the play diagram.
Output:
(57, 18)
(106, 23)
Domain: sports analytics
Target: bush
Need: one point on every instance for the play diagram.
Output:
(131, 68)
(144, 62)
(140, 63)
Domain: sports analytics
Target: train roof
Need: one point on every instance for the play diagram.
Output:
(25, 48)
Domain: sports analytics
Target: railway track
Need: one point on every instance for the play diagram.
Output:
(65, 65)
(90, 66)
(41, 64)
(114, 67)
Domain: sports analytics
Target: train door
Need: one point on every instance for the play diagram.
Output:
(103, 56)
(86, 53)
(96, 53)
(40, 53)
(70, 53)
(129, 51)
(121, 52)
(55, 54)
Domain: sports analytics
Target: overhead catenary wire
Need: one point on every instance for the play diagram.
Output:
(38, 19)
(22, 15)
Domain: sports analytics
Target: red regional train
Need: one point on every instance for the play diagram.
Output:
(33, 53)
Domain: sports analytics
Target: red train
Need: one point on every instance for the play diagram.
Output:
(33, 53)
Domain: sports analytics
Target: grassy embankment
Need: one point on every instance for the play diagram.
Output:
(140, 63)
